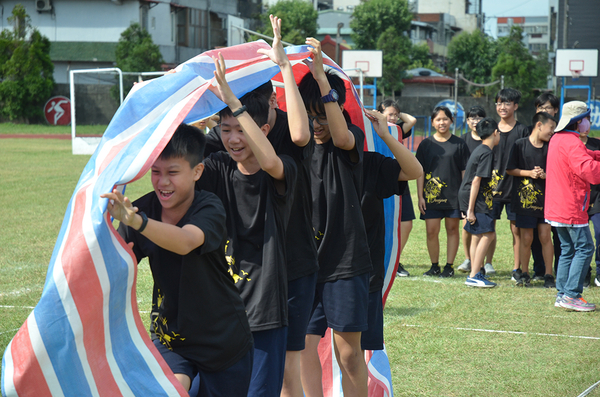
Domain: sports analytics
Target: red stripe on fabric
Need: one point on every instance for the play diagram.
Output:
(28, 377)
(113, 153)
(87, 294)
(389, 287)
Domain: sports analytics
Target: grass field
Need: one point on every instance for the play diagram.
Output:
(443, 338)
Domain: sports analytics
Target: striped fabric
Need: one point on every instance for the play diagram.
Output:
(85, 336)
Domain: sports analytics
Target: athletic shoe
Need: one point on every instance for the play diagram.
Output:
(448, 272)
(434, 271)
(538, 277)
(402, 271)
(489, 269)
(559, 298)
(588, 279)
(479, 281)
(516, 275)
(465, 267)
(597, 281)
(577, 304)
(524, 280)
(549, 281)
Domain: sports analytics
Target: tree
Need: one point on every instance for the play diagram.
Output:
(26, 70)
(136, 52)
(474, 54)
(299, 20)
(519, 68)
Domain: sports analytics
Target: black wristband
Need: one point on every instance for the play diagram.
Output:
(240, 111)
(144, 221)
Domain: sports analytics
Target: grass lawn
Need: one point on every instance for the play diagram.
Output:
(443, 338)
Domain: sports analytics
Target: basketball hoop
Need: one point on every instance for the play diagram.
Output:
(575, 74)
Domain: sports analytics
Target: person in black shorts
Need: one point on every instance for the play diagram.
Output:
(199, 324)
(256, 187)
(475, 197)
(406, 122)
(527, 164)
(343, 251)
(444, 158)
(474, 116)
(382, 176)
(507, 103)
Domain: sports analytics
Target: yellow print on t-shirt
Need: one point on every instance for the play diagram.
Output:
(528, 194)
(488, 193)
(496, 178)
(433, 188)
(160, 325)
(237, 276)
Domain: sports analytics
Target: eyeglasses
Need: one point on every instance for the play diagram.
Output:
(505, 104)
(321, 119)
(545, 109)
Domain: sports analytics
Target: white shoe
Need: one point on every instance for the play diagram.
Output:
(465, 267)
(489, 269)
(597, 281)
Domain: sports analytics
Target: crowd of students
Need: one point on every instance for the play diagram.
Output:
(269, 229)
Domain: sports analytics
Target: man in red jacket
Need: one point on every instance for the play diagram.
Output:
(570, 170)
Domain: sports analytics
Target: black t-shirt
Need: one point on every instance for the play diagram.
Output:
(443, 163)
(380, 181)
(503, 190)
(257, 216)
(528, 194)
(300, 242)
(471, 142)
(594, 208)
(337, 218)
(196, 309)
(480, 164)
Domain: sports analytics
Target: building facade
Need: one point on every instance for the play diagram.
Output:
(536, 31)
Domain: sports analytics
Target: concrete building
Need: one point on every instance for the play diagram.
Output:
(467, 14)
(436, 31)
(536, 31)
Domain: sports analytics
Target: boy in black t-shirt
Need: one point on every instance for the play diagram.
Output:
(475, 196)
(527, 163)
(256, 187)
(344, 260)
(507, 103)
(382, 176)
(199, 324)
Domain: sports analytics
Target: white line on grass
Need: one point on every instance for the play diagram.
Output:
(589, 389)
(10, 330)
(16, 307)
(507, 332)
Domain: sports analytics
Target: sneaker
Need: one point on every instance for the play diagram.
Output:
(465, 267)
(434, 271)
(523, 280)
(402, 271)
(597, 281)
(448, 271)
(516, 275)
(588, 279)
(479, 281)
(577, 304)
(549, 281)
(559, 298)
(538, 277)
(489, 269)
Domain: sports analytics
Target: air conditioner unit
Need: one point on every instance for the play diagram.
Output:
(43, 5)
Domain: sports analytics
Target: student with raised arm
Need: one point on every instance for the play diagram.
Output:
(256, 187)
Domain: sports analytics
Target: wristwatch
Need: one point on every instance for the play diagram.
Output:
(333, 96)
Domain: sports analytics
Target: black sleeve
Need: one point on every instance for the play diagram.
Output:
(405, 134)
(290, 174)
(210, 218)
(464, 155)
(359, 145)
(485, 165)
(387, 178)
(513, 158)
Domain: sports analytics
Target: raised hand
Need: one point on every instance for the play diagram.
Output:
(120, 207)
(276, 53)
(222, 90)
(317, 66)
(379, 121)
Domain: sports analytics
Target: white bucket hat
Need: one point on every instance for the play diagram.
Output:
(571, 112)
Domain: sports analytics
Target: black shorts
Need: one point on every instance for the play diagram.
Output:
(440, 214)
(528, 222)
(372, 339)
(344, 305)
(483, 224)
(301, 295)
(408, 210)
(497, 211)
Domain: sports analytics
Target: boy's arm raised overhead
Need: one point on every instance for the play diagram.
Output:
(296, 112)
(410, 167)
(259, 144)
(180, 240)
(341, 136)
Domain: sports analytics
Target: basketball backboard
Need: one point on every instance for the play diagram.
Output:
(370, 62)
(574, 61)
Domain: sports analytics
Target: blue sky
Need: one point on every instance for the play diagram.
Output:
(512, 8)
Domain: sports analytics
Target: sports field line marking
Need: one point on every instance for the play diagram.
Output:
(589, 389)
(506, 332)
(16, 307)
(10, 330)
